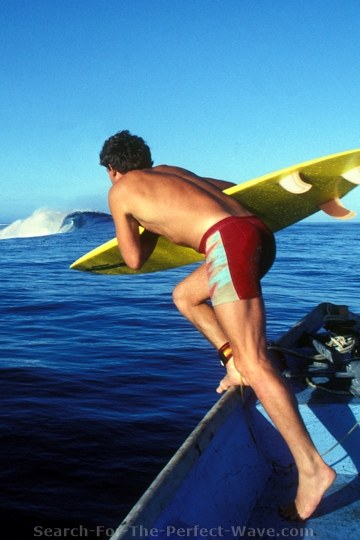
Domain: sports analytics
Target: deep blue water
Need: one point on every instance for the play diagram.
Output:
(101, 377)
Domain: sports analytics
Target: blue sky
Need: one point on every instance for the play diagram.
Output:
(232, 89)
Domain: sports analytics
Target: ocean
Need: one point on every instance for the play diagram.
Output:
(102, 379)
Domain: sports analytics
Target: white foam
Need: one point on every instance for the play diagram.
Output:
(42, 222)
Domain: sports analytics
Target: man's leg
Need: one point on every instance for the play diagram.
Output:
(190, 297)
(243, 322)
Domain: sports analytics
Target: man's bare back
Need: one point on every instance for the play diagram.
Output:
(172, 202)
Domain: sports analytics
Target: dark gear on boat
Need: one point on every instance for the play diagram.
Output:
(331, 355)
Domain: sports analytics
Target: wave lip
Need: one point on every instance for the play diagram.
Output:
(80, 218)
(44, 222)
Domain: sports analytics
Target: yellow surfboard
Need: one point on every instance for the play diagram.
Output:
(280, 199)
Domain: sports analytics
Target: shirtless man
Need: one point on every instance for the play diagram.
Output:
(192, 211)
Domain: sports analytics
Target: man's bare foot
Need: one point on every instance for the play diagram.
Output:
(310, 492)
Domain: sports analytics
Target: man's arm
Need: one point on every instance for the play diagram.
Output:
(148, 242)
(135, 248)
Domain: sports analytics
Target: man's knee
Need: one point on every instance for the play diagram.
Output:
(183, 298)
(179, 297)
(253, 364)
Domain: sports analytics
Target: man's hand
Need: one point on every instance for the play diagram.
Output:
(232, 378)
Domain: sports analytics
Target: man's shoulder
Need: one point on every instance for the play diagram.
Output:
(138, 174)
(172, 169)
(159, 170)
(132, 177)
(130, 182)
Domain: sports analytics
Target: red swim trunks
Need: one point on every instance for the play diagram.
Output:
(239, 251)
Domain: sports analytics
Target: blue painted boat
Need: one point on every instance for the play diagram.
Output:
(229, 477)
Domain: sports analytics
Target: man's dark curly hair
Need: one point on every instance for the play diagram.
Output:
(125, 152)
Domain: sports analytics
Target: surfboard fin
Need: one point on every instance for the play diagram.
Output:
(295, 184)
(336, 209)
(353, 176)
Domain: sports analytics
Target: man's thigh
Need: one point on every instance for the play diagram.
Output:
(194, 288)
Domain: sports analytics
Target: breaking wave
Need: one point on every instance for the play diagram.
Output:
(44, 222)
